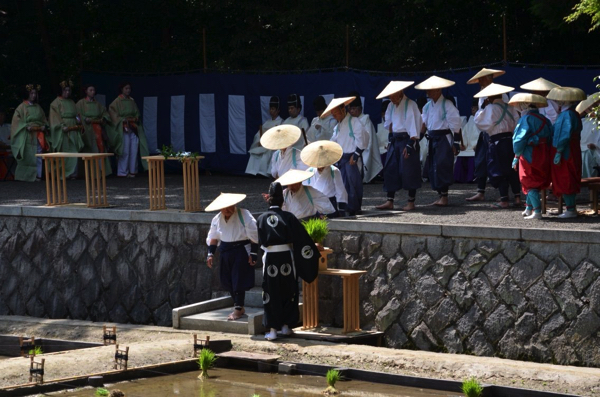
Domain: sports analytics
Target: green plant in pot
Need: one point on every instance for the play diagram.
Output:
(206, 361)
(317, 229)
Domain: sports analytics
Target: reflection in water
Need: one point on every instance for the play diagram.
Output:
(236, 383)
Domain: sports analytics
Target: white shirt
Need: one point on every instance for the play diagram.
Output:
(551, 111)
(280, 164)
(441, 115)
(306, 202)
(329, 182)
(382, 137)
(470, 135)
(256, 148)
(589, 134)
(325, 130)
(233, 229)
(404, 118)
(494, 120)
(371, 156)
(300, 122)
(341, 135)
(5, 134)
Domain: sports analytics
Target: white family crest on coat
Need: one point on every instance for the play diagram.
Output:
(272, 221)
(307, 252)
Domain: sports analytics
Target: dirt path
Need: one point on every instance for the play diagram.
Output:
(152, 345)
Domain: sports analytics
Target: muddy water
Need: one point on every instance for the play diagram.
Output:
(235, 383)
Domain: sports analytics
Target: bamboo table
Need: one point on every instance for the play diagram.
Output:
(191, 182)
(310, 305)
(95, 178)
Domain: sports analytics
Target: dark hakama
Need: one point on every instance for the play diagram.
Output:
(289, 253)
(352, 178)
(440, 160)
(398, 172)
(481, 158)
(500, 157)
(236, 274)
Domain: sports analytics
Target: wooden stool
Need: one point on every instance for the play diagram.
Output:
(156, 182)
(95, 181)
(56, 183)
(310, 294)
(191, 185)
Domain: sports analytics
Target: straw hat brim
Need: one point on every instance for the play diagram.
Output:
(434, 83)
(492, 90)
(394, 87)
(540, 84)
(567, 94)
(294, 176)
(587, 103)
(321, 154)
(280, 137)
(485, 72)
(335, 102)
(534, 99)
(225, 200)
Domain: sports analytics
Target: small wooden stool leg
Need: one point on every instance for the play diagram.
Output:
(87, 181)
(47, 166)
(103, 168)
(150, 183)
(52, 177)
(64, 181)
(99, 181)
(163, 204)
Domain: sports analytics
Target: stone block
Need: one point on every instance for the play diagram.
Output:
(586, 325)
(162, 315)
(165, 261)
(541, 298)
(118, 315)
(438, 247)
(552, 328)
(462, 247)
(593, 294)
(351, 244)
(543, 250)
(525, 327)
(76, 248)
(498, 323)
(514, 250)
(473, 263)
(70, 227)
(461, 290)
(478, 344)
(556, 273)
(388, 315)
(370, 243)
(412, 245)
(568, 299)
(511, 295)
(562, 351)
(527, 271)
(380, 294)
(28, 225)
(573, 253)
(95, 247)
(496, 269)
(88, 228)
(418, 266)
(442, 316)
(444, 269)
(402, 288)
(143, 231)
(395, 337)
(589, 351)
(451, 341)
(286, 368)
(594, 254)
(161, 231)
(429, 290)
(412, 314)
(489, 248)
(140, 314)
(483, 293)
(390, 245)
(191, 235)
(423, 338)
(33, 244)
(510, 347)
(175, 237)
(584, 275)
(395, 266)
(159, 295)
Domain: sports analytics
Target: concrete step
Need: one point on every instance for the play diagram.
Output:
(216, 320)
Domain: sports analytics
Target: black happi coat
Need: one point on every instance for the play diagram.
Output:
(282, 269)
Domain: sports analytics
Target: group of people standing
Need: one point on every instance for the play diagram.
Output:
(82, 127)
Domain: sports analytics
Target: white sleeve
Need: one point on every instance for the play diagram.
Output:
(275, 163)
(340, 190)
(213, 233)
(484, 119)
(304, 124)
(334, 137)
(453, 118)
(361, 135)
(413, 120)
(321, 202)
(389, 113)
(250, 226)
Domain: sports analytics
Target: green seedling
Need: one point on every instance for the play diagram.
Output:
(37, 350)
(206, 361)
(332, 377)
(472, 388)
(317, 229)
(102, 392)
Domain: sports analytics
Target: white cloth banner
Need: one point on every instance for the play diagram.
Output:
(237, 124)
(149, 117)
(264, 108)
(101, 99)
(328, 98)
(177, 122)
(208, 127)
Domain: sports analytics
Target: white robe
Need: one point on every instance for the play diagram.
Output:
(300, 122)
(382, 137)
(590, 158)
(325, 130)
(260, 158)
(491, 120)
(329, 182)
(470, 134)
(233, 229)
(307, 201)
(341, 134)
(371, 156)
(280, 164)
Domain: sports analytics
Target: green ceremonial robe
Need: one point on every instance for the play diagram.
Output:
(24, 143)
(63, 114)
(123, 108)
(94, 110)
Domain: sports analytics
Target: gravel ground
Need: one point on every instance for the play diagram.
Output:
(153, 345)
(132, 193)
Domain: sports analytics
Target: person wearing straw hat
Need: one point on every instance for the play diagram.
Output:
(442, 123)
(320, 157)
(402, 168)
(566, 147)
(260, 157)
(304, 202)
(294, 110)
(352, 136)
(531, 145)
(285, 156)
(371, 157)
(233, 232)
(289, 253)
(484, 78)
(320, 129)
(542, 87)
(499, 121)
(590, 137)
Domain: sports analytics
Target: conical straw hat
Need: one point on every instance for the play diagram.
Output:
(434, 83)
(567, 94)
(225, 200)
(493, 89)
(335, 102)
(534, 99)
(587, 103)
(540, 84)
(280, 137)
(321, 154)
(485, 72)
(394, 87)
(294, 176)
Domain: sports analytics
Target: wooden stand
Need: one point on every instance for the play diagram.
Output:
(109, 337)
(310, 293)
(204, 344)
(121, 358)
(36, 371)
(191, 182)
(26, 346)
(95, 178)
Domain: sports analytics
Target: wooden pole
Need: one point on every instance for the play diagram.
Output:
(204, 47)
(347, 45)
(504, 37)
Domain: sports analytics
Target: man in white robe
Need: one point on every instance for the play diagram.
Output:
(260, 157)
(303, 201)
(320, 129)
(294, 109)
(371, 156)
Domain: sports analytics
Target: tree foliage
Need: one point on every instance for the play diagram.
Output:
(590, 8)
